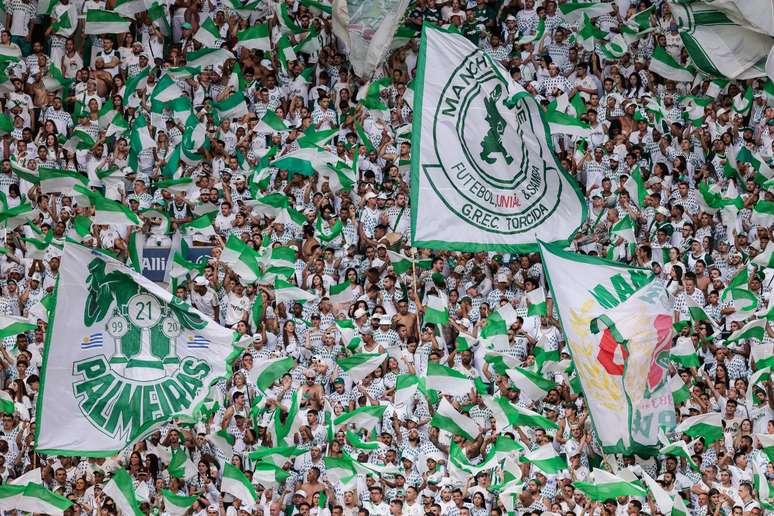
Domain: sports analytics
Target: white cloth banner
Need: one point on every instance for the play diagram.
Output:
(122, 357)
(483, 175)
(618, 324)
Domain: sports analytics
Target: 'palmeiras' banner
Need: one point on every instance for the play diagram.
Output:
(618, 324)
(122, 357)
(483, 174)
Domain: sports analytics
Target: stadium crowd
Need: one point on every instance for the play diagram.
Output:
(194, 170)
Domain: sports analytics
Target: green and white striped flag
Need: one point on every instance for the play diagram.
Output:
(11, 325)
(181, 466)
(684, 353)
(208, 33)
(341, 293)
(406, 386)
(176, 505)
(286, 21)
(7, 405)
(536, 302)
(285, 52)
(680, 449)
(767, 445)
(364, 417)
(268, 475)
(400, 263)
(360, 365)
(234, 106)
(340, 471)
(121, 489)
(743, 101)
(680, 391)
(223, 441)
(447, 380)
(752, 330)
(235, 483)
(129, 8)
(447, 418)
(546, 459)
(159, 15)
(507, 414)
(53, 180)
(207, 57)
(166, 89)
(540, 30)
(436, 311)
(663, 64)
(271, 123)
(278, 456)
(766, 258)
(636, 186)
(709, 426)
(255, 37)
(265, 372)
(604, 485)
(284, 292)
(108, 211)
(562, 123)
(532, 385)
(105, 22)
(15, 217)
(573, 12)
(32, 498)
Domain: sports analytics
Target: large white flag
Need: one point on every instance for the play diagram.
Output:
(719, 45)
(484, 176)
(367, 28)
(122, 357)
(618, 324)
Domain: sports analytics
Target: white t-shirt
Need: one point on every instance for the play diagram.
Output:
(205, 303)
(236, 308)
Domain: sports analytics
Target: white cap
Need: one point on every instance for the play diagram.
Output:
(37, 277)
(663, 211)
(200, 281)
(369, 195)
(359, 313)
(502, 278)
(385, 320)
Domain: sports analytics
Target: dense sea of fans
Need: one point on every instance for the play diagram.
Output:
(63, 85)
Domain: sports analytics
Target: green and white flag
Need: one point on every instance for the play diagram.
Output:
(367, 30)
(754, 329)
(271, 123)
(680, 391)
(574, 11)
(562, 123)
(536, 302)
(208, 33)
(268, 475)
(265, 372)
(234, 106)
(718, 46)
(709, 426)
(663, 64)
(484, 176)
(166, 89)
(11, 325)
(767, 444)
(545, 459)
(107, 211)
(406, 387)
(447, 418)
(284, 291)
(255, 37)
(153, 356)
(604, 485)
(604, 305)
(447, 380)
(176, 505)
(121, 489)
(285, 53)
(743, 101)
(235, 483)
(278, 456)
(363, 417)
(680, 449)
(105, 22)
(436, 311)
(360, 365)
(7, 405)
(129, 8)
(684, 353)
(207, 57)
(400, 263)
(636, 186)
(181, 466)
(532, 385)
(341, 293)
(53, 180)
(32, 498)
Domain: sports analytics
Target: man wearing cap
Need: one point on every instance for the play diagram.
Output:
(203, 298)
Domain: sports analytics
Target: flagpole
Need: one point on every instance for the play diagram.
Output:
(414, 281)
